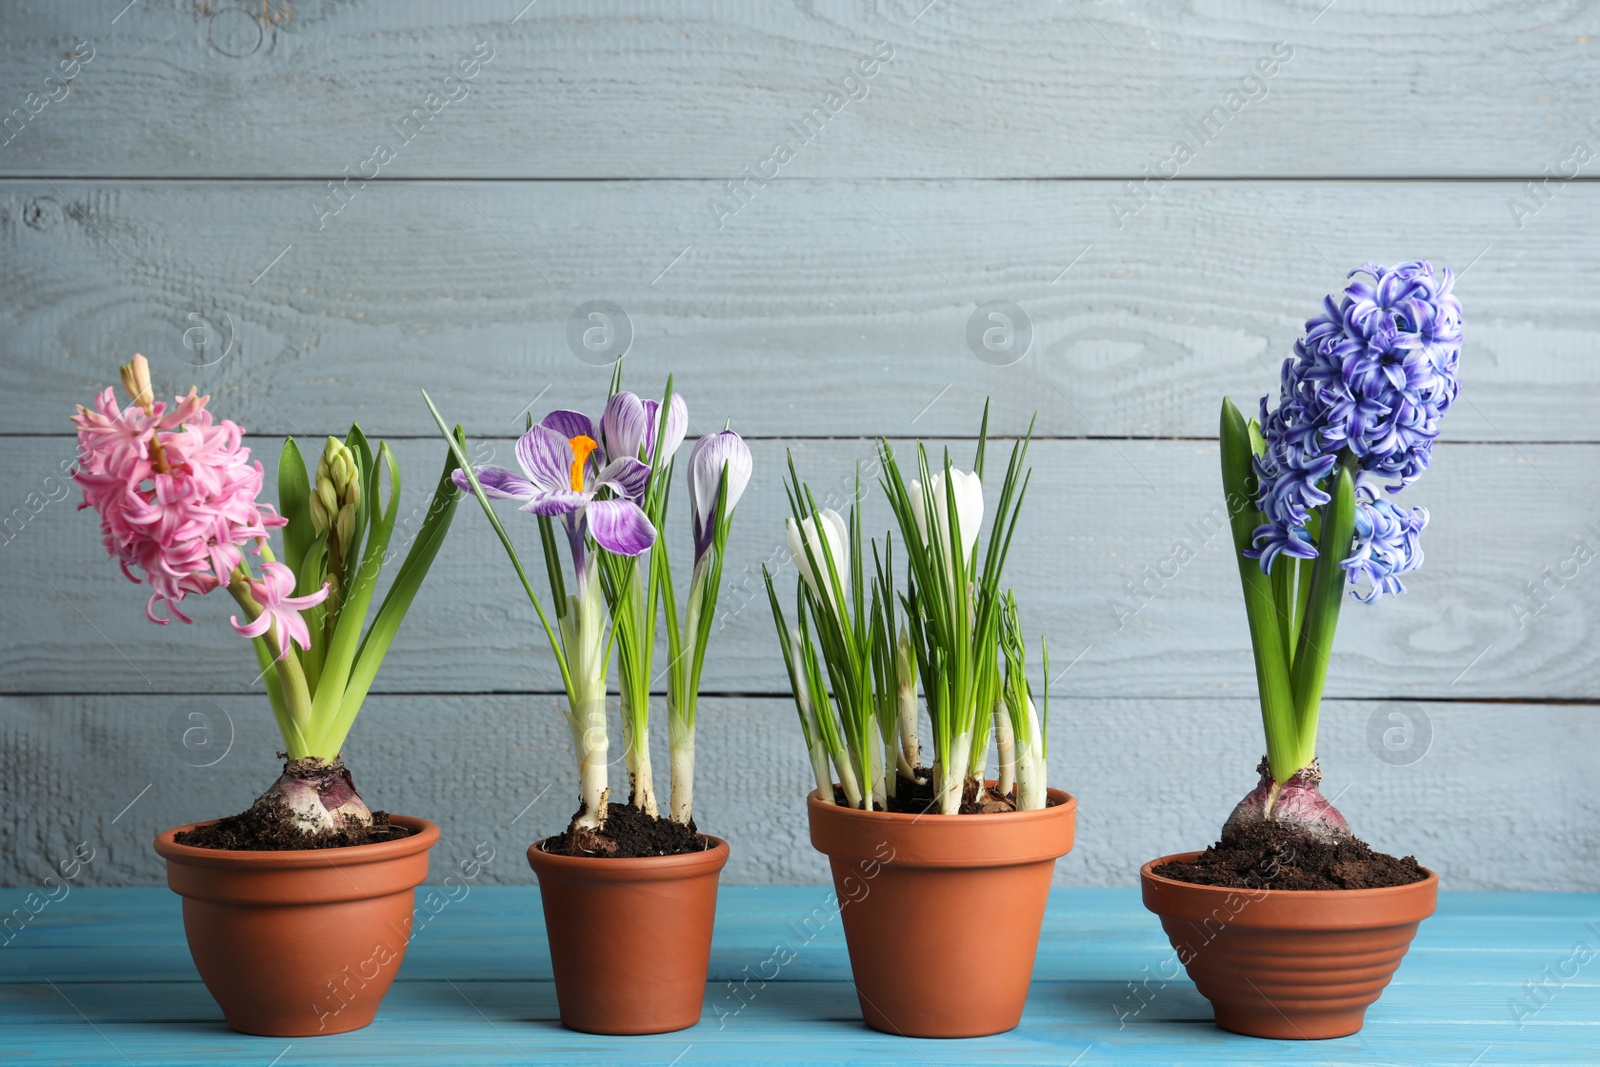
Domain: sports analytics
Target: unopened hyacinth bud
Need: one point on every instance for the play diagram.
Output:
(334, 500)
(136, 380)
(337, 494)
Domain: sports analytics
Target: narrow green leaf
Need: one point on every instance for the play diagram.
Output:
(1322, 609)
(552, 564)
(1261, 607)
(397, 601)
(294, 504)
(366, 509)
(457, 442)
(358, 593)
(313, 572)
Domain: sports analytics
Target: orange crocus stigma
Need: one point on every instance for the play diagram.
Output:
(581, 447)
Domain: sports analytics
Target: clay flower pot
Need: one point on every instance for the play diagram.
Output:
(630, 939)
(1288, 963)
(296, 944)
(976, 883)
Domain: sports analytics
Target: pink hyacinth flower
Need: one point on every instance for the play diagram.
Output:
(182, 529)
(277, 606)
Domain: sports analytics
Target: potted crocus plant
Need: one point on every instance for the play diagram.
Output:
(941, 851)
(629, 894)
(298, 909)
(1290, 925)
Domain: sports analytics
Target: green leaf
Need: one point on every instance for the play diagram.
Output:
(1261, 607)
(402, 591)
(358, 595)
(1322, 609)
(294, 744)
(706, 611)
(458, 449)
(366, 508)
(1044, 712)
(294, 504)
(983, 441)
(312, 573)
(552, 564)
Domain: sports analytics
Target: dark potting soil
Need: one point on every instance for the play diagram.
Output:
(1269, 856)
(267, 828)
(629, 834)
(917, 798)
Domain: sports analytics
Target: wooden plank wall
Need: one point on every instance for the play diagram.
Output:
(312, 210)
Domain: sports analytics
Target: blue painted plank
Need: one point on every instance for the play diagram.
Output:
(626, 88)
(799, 1023)
(497, 932)
(476, 989)
(825, 309)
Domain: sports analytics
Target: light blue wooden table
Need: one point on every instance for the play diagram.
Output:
(103, 976)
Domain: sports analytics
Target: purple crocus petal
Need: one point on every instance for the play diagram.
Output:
(546, 457)
(624, 426)
(498, 483)
(569, 424)
(711, 453)
(577, 526)
(677, 426)
(627, 477)
(620, 527)
(556, 502)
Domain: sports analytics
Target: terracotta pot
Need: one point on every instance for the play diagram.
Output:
(630, 939)
(975, 885)
(296, 944)
(1288, 963)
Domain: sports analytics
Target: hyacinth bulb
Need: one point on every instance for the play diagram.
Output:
(1298, 804)
(318, 797)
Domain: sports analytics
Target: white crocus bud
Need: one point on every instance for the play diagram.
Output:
(831, 543)
(969, 509)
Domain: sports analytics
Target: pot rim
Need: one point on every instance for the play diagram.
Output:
(901, 818)
(714, 857)
(1313, 895)
(949, 842)
(424, 835)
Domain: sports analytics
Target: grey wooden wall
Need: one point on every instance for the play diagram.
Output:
(310, 210)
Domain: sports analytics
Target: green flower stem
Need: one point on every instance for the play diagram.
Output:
(1310, 670)
(291, 703)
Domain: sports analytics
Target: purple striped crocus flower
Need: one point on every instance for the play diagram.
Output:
(563, 476)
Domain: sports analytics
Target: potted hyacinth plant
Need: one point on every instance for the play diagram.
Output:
(934, 841)
(629, 895)
(273, 920)
(1290, 925)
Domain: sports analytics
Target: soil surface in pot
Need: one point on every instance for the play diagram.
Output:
(629, 834)
(1269, 856)
(269, 828)
(916, 798)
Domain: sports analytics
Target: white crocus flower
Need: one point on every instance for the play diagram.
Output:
(969, 510)
(832, 543)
